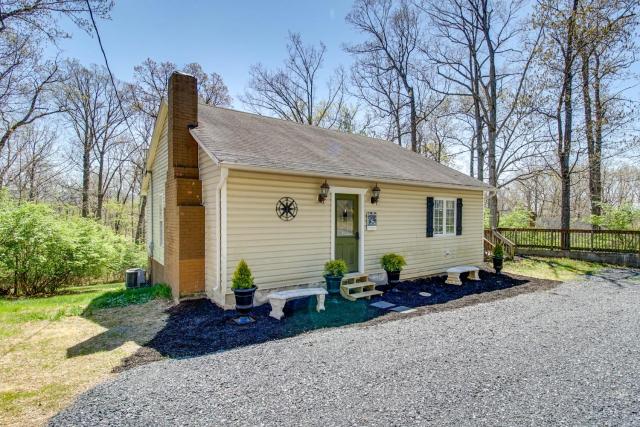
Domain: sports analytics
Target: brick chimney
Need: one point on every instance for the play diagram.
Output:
(184, 213)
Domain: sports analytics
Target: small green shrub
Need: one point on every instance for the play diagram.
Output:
(498, 250)
(336, 267)
(392, 262)
(242, 278)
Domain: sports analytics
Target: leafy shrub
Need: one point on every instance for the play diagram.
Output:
(518, 217)
(41, 251)
(392, 262)
(242, 278)
(336, 267)
(498, 250)
(623, 217)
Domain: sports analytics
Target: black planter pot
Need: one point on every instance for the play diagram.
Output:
(333, 283)
(497, 264)
(393, 278)
(244, 300)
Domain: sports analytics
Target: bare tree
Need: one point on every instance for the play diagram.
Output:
(293, 92)
(211, 87)
(392, 39)
(40, 16)
(606, 28)
(92, 110)
(151, 80)
(561, 52)
(479, 51)
(28, 165)
(382, 93)
(26, 84)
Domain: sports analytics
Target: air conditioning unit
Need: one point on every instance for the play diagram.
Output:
(135, 277)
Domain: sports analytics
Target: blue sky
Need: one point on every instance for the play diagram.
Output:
(223, 36)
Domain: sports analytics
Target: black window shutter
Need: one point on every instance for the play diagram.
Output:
(429, 216)
(459, 217)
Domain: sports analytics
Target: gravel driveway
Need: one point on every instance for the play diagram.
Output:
(570, 355)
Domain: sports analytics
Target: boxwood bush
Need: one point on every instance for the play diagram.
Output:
(41, 251)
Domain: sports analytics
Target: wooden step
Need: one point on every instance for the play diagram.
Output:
(357, 285)
(365, 294)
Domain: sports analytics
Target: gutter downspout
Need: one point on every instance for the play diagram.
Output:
(221, 209)
(151, 245)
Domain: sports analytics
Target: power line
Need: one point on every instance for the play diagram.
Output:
(106, 62)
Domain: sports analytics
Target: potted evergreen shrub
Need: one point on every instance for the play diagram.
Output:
(243, 288)
(498, 255)
(334, 271)
(393, 265)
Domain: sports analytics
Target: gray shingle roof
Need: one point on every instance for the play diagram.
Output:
(240, 138)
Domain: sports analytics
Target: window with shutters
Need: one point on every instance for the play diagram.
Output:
(444, 217)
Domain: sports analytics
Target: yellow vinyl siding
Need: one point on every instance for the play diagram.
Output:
(210, 176)
(279, 253)
(282, 253)
(155, 194)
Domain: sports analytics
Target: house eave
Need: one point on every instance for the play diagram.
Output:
(251, 168)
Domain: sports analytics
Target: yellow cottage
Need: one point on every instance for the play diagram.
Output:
(224, 185)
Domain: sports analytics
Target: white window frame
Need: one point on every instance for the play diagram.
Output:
(444, 216)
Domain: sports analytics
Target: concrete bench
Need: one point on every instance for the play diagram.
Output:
(279, 299)
(453, 274)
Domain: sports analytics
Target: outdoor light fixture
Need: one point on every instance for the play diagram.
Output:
(375, 194)
(324, 192)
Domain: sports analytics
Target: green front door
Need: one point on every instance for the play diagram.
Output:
(347, 227)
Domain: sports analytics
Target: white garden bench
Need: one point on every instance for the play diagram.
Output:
(279, 299)
(453, 274)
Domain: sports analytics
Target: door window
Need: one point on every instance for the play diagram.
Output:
(344, 223)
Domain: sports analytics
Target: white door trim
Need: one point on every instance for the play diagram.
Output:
(349, 190)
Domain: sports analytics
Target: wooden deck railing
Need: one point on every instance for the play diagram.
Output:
(621, 241)
(491, 237)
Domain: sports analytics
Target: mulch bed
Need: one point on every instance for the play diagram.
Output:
(199, 327)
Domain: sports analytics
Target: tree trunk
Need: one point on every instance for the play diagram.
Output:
(491, 141)
(100, 201)
(565, 136)
(414, 120)
(141, 215)
(86, 176)
(479, 145)
(595, 170)
(472, 158)
(594, 160)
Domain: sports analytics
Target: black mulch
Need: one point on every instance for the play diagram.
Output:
(199, 327)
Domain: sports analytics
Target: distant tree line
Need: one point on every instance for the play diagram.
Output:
(534, 98)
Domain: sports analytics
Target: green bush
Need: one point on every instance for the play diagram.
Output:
(622, 217)
(498, 250)
(41, 251)
(336, 267)
(392, 262)
(242, 278)
(518, 217)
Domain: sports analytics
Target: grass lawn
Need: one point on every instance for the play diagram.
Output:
(53, 348)
(563, 269)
